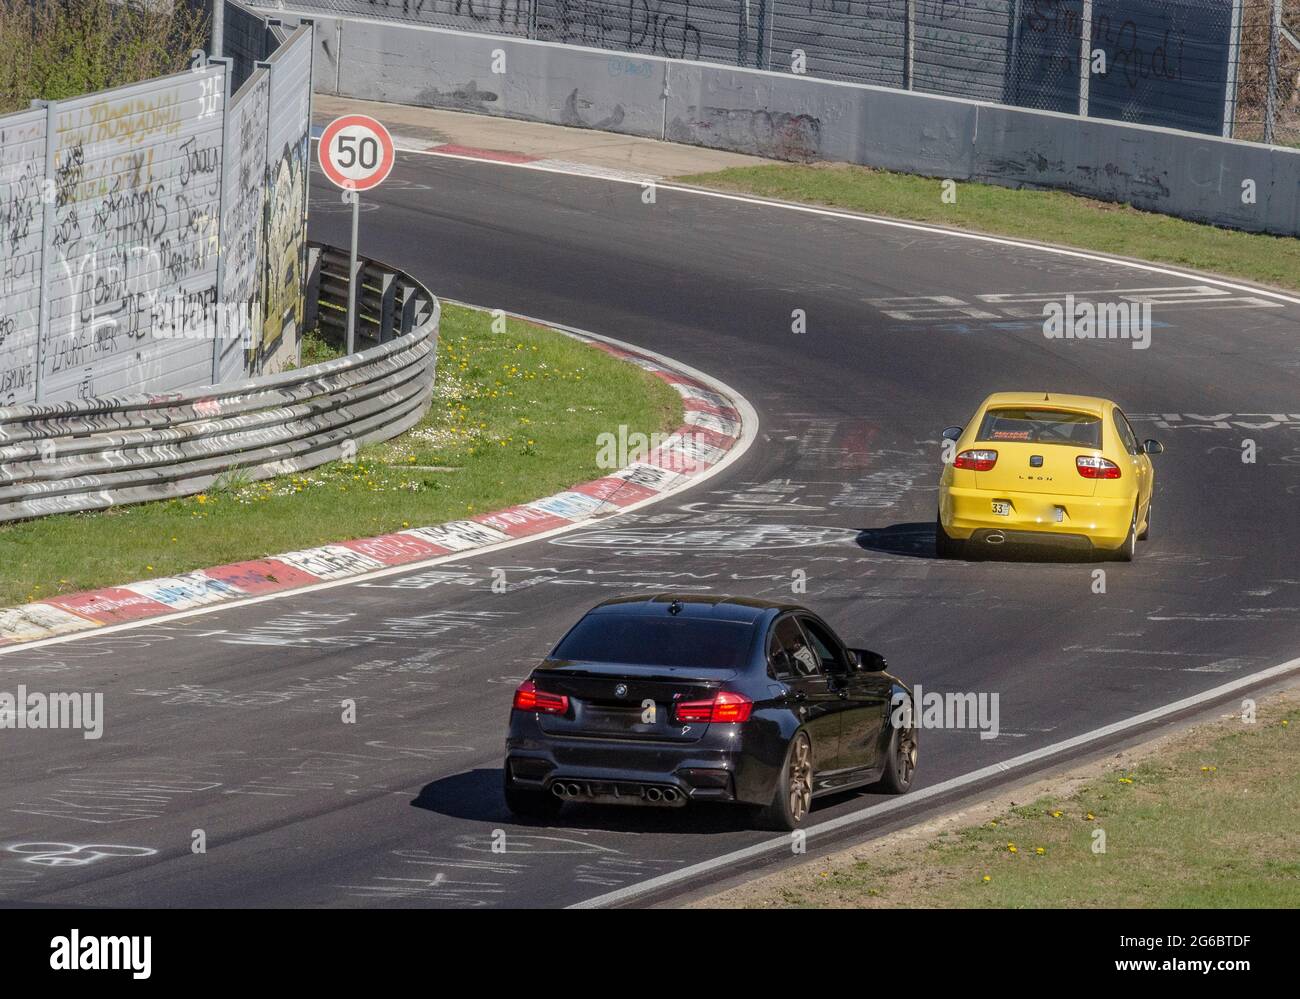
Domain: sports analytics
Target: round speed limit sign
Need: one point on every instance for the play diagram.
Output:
(356, 152)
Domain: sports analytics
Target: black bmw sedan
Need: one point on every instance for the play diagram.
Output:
(664, 700)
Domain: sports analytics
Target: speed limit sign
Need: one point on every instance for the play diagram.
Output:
(356, 152)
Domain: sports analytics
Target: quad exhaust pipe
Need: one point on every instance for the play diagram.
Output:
(654, 795)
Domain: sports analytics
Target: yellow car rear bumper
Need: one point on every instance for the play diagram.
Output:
(1103, 521)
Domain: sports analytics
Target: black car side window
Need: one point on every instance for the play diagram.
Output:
(825, 646)
(791, 655)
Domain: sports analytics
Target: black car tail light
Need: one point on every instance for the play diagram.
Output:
(723, 708)
(529, 698)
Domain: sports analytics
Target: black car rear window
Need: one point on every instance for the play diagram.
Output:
(1041, 426)
(657, 641)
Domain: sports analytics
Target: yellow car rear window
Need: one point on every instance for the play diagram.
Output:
(1041, 426)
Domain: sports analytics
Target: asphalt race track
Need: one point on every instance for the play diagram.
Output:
(229, 722)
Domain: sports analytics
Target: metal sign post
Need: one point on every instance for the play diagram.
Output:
(356, 153)
(353, 272)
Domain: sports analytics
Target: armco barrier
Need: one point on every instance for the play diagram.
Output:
(783, 116)
(88, 456)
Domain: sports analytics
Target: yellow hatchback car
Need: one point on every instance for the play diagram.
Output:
(1039, 468)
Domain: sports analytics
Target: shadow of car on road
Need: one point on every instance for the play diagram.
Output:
(476, 795)
(917, 540)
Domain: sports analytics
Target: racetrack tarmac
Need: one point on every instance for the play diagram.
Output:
(229, 722)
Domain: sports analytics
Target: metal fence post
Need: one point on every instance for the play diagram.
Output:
(1274, 40)
(1234, 71)
(1011, 91)
(218, 28)
(909, 50)
(1085, 57)
(771, 30)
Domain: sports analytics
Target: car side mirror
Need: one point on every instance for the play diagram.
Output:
(952, 433)
(1153, 447)
(868, 661)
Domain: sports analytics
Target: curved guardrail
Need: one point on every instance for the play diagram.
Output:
(99, 453)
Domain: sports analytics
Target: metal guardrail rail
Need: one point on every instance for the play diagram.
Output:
(98, 453)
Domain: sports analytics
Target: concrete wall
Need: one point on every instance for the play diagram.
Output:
(1167, 60)
(788, 117)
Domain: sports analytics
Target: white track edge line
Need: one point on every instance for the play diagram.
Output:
(748, 434)
(953, 783)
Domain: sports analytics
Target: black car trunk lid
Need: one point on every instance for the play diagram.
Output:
(621, 701)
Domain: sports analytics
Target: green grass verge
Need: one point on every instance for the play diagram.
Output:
(515, 417)
(1046, 216)
(1210, 821)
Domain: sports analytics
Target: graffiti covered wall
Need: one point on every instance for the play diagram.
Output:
(131, 279)
(285, 231)
(1171, 58)
(22, 190)
(243, 217)
(153, 237)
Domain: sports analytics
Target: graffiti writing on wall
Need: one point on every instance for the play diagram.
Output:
(22, 175)
(245, 231)
(137, 183)
(501, 13)
(657, 27)
(285, 242)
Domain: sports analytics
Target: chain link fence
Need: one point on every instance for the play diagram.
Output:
(1222, 67)
(1268, 82)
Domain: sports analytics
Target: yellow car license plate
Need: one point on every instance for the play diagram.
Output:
(1002, 508)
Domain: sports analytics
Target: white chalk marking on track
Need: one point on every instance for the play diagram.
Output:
(903, 801)
(1061, 251)
(748, 433)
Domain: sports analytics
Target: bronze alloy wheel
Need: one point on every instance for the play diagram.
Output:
(800, 778)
